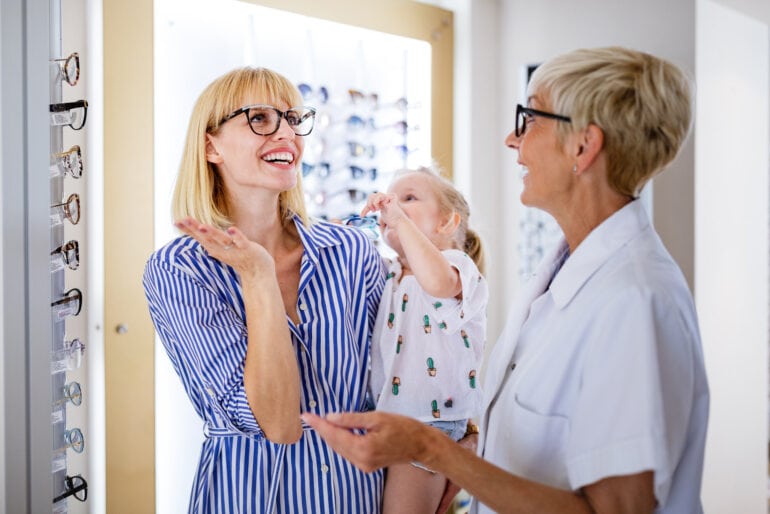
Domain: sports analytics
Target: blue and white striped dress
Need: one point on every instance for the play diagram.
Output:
(197, 306)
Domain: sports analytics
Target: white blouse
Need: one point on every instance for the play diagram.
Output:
(426, 351)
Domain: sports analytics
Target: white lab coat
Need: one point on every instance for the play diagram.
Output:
(611, 379)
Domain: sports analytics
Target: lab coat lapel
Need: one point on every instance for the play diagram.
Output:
(502, 354)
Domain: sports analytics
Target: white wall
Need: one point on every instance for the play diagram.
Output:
(531, 33)
(731, 272)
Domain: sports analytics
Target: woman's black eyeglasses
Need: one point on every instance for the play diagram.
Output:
(264, 120)
(523, 114)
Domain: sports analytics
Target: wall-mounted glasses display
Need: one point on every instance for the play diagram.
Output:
(67, 254)
(69, 209)
(69, 357)
(68, 305)
(71, 114)
(68, 163)
(69, 68)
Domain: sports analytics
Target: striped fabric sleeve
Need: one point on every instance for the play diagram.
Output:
(206, 336)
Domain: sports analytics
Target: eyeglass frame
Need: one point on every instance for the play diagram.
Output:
(63, 67)
(65, 159)
(522, 112)
(70, 489)
(281, 115)
(68, 297)
(369, 224)
(71, 392)
(64, 250)
(73, 438)
(69, 106)
(65, 205)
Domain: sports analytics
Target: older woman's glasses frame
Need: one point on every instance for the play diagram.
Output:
(523, 114)
(72, 114)
(70, 68)
(265, 120)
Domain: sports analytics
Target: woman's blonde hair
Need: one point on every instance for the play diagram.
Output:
(642, 103)
(199, 189)
(451, 200)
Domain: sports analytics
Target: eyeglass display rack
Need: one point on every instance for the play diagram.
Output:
(33, 407)
(62, 443)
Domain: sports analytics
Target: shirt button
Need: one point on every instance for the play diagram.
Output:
(325, 468)
(302, 307)
(312, 403)
(210, 390)
(513, 366)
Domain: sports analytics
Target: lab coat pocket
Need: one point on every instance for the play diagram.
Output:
(538, 445)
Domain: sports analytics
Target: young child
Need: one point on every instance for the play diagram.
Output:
(431, 324)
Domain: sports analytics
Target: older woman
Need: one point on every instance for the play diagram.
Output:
(263, 313)
(596, 397)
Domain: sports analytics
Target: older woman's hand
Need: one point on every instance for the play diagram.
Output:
(386, 439)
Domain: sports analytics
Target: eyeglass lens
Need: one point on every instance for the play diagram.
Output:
(265, 120)
(70, 68)
(69, 162)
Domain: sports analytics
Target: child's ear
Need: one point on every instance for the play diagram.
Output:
(451, 224)
(212, 154)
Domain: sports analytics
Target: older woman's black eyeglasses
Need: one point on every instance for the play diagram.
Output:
(523, 114)
(264, 120)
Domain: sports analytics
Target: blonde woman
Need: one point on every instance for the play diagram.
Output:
(263, 313)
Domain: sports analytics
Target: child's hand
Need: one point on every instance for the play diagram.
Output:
(387, 204)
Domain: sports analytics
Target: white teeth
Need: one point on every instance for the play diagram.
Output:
(279, 156)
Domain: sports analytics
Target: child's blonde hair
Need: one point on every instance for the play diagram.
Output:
(451, 200)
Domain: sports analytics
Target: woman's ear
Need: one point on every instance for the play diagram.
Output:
(451, 224)
(212, 154)
(589, 144)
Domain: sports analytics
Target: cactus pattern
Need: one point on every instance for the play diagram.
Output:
(431, 367)
(403, 302)
(396, 383)
(426, 323)
(437, 305)
(399, 343)
(464, 335)
(391, 317)
(442, 325)
(434, 408)
(390, 275)
(472, 378)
